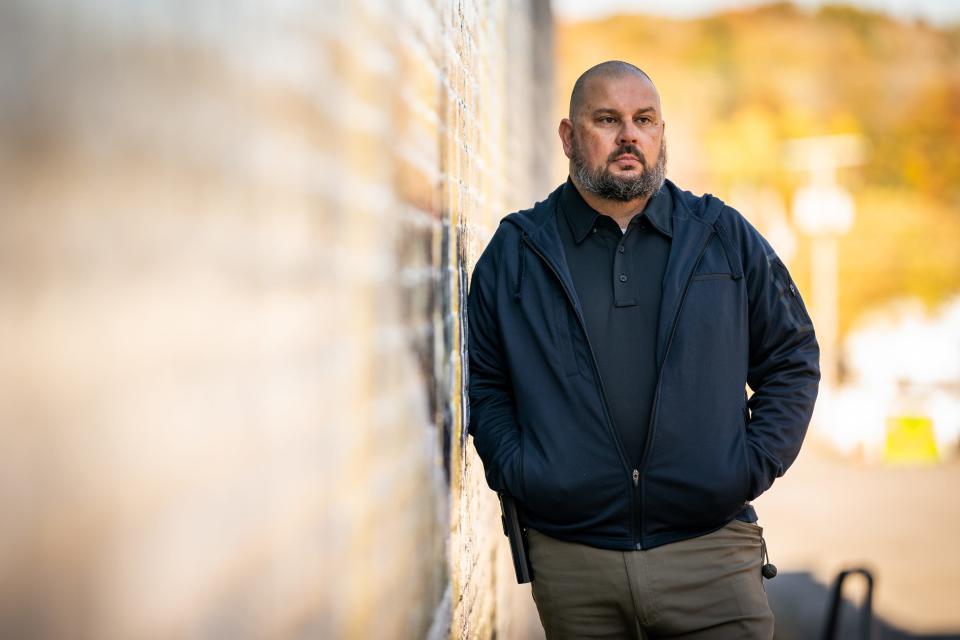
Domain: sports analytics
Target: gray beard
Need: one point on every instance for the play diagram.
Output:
(601, 183)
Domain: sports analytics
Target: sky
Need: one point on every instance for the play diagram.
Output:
(935, 11)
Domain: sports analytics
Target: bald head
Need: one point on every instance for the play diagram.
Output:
(605, 70)
(614, 136)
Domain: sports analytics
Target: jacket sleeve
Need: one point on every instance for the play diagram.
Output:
(496, 433)
(784, 363)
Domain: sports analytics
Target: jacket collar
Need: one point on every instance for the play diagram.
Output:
(692, 218)
(582, 217)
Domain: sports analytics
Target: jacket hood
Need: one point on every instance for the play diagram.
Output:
(686, 205)
(538, 228)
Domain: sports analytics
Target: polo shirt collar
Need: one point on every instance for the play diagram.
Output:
(582, 217)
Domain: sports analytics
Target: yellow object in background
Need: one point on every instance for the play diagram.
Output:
(910, 440)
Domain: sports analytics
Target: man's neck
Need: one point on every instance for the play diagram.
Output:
(621, 212)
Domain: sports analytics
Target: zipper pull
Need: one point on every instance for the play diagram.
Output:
(636, 478)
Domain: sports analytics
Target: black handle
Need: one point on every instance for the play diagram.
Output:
(866, 614)
(518, 542)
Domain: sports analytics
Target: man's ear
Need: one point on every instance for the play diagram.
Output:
(566, 136)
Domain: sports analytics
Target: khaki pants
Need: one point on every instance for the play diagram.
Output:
(707, 587)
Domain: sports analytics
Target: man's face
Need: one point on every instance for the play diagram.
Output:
(615, 141)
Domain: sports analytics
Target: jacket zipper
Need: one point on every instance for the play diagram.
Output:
(656, 396)
(635, 474)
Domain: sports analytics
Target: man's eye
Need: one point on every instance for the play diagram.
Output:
(644, 120)
(608, 119)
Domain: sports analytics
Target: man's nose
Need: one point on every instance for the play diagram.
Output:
(629, 132)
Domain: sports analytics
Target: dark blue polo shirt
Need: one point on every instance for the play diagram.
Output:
(618, 279)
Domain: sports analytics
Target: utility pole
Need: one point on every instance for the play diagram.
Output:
(824, 210)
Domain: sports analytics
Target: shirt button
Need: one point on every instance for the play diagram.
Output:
(594, 230)
(623, 277)
(621, 249)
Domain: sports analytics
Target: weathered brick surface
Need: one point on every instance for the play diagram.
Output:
(234, 247)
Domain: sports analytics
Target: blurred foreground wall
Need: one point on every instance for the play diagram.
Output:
(234, 247)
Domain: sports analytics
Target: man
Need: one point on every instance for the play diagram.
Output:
(613, 329)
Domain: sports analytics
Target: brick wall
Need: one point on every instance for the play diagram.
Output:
(234, 247)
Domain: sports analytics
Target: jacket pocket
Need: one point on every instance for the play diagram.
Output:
(565, 325)
(523, 476)
(790, 295)
(698, 470)
(712, 276)
(747, 470)
(575, 483)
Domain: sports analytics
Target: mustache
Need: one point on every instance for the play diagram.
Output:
(629, 149)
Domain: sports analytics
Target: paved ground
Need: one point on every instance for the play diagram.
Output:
(827, 514)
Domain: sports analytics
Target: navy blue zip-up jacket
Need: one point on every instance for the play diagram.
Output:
(730, 316)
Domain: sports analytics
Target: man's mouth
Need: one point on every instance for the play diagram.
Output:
(627, 159)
